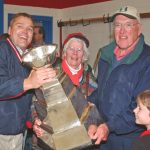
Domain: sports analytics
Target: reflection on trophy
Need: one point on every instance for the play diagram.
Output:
(63, 130)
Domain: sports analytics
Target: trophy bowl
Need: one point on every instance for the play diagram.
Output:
(40, 56)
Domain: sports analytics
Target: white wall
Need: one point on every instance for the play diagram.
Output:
(98, 33)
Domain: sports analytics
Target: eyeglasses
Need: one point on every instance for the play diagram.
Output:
(72, 49)
(126, 26)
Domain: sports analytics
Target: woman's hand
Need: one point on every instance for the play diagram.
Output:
(37, 129)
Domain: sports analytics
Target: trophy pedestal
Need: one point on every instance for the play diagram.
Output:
(68, 132)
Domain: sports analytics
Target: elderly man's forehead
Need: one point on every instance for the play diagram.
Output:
(124, 17)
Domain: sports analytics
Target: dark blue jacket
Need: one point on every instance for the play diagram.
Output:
(119, 82)
(14, 101)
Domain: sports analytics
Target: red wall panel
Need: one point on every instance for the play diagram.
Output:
(52, 3)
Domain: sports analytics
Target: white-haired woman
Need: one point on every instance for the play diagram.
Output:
(74, 63)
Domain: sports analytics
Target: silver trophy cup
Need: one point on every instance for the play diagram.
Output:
(62, 129)
(40, 56)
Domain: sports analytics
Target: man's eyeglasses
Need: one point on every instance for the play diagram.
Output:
(127, 26)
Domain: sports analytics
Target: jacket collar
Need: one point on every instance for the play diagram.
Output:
(108, 51)
(147, 132)
(14, 49)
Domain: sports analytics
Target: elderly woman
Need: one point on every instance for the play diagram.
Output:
(75, 56)
(74, 63)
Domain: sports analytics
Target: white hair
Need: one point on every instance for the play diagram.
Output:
(85, 49)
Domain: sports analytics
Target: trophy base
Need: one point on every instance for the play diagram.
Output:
(72, 139)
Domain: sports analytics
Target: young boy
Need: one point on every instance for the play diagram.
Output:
(142, 117)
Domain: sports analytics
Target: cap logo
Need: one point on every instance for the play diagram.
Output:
(127, 11)
(124, 9)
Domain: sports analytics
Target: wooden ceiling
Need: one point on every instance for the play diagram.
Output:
(52, 3)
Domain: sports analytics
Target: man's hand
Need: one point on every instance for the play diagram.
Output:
(39, 76)
(99, 133)
(92, 130)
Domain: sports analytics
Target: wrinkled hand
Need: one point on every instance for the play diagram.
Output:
(92, 130)
(39, 76)
(99, 133)
(36, 127)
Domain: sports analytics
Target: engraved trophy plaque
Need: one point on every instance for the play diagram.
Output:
(63, 129)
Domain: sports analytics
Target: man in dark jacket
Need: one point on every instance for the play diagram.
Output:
(17, 82)
(123, 72)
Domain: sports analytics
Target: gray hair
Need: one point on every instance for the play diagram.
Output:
(85, 49)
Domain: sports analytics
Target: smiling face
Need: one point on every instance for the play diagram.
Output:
(74, 53)
(126, 31)
(142, 115)
(21, 32)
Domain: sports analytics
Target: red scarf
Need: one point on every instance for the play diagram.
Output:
(74, 78)
(145, 133)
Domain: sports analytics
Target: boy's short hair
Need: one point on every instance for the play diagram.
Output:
(144, 98)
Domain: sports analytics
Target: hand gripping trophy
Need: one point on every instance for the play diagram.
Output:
(63, 129)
